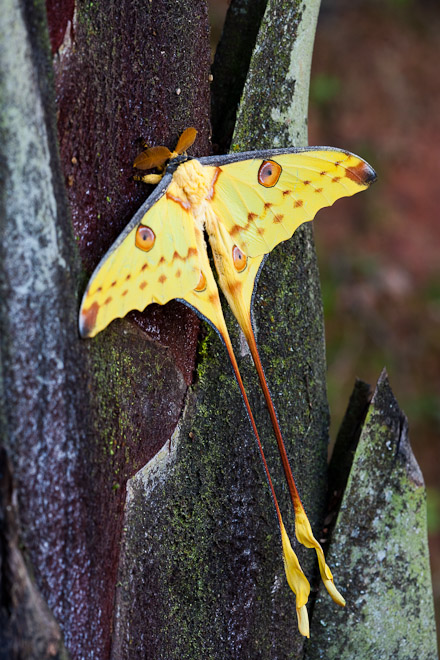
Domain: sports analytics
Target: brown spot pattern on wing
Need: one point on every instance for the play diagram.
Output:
(236, 229)
(142, 285)
(108, 300)
(298, 203)
(182, 202)
(360, 173)
(124, 293)
(88, 319)
(318, 190)
(211, 192)
(178, 273)
(162, 279)
(192, 251)
(234, 287)
(278, 219)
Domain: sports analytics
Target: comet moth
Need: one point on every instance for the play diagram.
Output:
(246, 203)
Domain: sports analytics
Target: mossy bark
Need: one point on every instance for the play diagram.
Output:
(78, 418)
(379, 550)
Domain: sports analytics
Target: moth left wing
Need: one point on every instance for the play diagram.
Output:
(263, 197)
(155, 259)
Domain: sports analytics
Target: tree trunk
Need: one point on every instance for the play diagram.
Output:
(146, 527)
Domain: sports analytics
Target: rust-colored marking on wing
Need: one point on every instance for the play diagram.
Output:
(268, 205)
(336, 179)
(113, 283)
(286, 192)
(162, 279)
(260, 231)
(88, 319)
(178, 273)
(162, 260)
(278, 219)
(298, 203)
(183, 203)
(144, 267)
(124, 293)
(192, 251)
(307, 183)
(360, 173)
(142, 285)
(318, 190)
(128, 276)
(108, 300)
(235, 287)
(211, 191)
(213, 298)
(236, 229)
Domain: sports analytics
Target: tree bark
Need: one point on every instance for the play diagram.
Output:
(379, 543)
(143, 518)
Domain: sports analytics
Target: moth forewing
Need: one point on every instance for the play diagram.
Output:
(131, 277)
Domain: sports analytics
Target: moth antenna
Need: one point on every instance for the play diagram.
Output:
(185, 141)
(148, 178)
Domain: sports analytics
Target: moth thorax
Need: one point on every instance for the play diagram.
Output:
(194, 180)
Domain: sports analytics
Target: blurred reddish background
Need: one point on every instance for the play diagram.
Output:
(375, 90)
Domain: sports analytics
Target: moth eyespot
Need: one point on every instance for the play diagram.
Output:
(145, 238)
(201, 286)
(269, 173)
(239, 259)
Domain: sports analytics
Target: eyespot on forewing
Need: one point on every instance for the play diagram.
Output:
(145, 238)
(269, 173)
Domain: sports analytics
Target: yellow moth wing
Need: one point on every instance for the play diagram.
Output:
(204, 297)
(131, 278)
(259, 217)
(237, 280)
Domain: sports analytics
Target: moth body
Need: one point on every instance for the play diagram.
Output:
(192, 188)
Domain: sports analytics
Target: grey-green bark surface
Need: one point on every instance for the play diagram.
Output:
(379, 550)
(77, 418)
